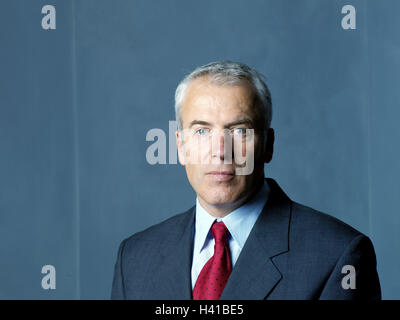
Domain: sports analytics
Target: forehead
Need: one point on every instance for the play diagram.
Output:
(206, 99)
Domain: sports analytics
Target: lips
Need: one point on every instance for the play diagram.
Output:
(221, 175)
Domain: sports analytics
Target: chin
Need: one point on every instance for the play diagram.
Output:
(217, 197)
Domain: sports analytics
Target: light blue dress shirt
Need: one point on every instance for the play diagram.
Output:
(239, 223)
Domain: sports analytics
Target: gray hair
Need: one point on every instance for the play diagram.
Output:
(229, 73)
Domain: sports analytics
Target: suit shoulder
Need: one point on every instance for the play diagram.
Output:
(164, 230)
(317, 223)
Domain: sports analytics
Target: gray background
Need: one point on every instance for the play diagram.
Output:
(76, 104)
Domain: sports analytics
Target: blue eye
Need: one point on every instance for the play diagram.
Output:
(202, 131)
(239, 131)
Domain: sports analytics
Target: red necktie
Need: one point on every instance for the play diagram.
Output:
(215, 273)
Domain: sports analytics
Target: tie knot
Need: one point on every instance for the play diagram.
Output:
(219, 231)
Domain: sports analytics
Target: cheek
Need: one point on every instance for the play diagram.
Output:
(246, 150)
(195, 175)
(197, 151)
(258, 150)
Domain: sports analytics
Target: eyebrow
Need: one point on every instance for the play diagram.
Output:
(228, 125)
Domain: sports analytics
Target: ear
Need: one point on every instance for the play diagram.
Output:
(179, 143)
(269, 145)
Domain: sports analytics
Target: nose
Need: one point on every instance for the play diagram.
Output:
(222, 146)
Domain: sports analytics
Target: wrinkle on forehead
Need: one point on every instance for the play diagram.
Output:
(217, 102)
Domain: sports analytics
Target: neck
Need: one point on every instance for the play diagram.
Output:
(222, 210)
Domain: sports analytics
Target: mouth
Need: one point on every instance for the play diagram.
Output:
(221, 175)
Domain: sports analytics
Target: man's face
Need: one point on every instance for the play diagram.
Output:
(214, 122)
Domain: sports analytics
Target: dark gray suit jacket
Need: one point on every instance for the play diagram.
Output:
(292, 252)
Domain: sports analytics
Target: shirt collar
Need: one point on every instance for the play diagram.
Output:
(239, 222)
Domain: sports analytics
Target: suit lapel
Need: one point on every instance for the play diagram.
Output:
(173, 278)
(255, 275)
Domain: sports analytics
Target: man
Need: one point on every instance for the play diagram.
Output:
(244, 238)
